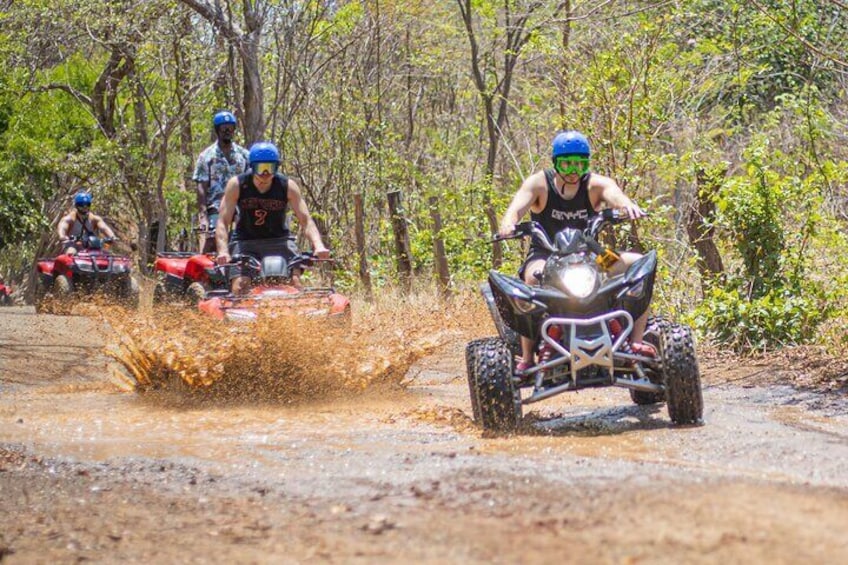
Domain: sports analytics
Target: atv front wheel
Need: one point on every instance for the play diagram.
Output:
(490, 367)
(132, 294)
(40, 298)
(196, 292)
(63, 288)
(160, 293)
(682, 378)
(470, 357)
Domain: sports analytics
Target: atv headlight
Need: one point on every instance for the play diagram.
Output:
(578, 280)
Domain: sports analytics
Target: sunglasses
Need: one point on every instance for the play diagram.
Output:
(571, 165)
(83, 208)
(263, 169)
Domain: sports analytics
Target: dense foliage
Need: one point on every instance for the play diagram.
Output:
(457, 100)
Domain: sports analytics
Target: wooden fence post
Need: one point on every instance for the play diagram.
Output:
(359, 230)
(404, 257)
(439, 256)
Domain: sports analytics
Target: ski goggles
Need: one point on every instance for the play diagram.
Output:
(263, 169)
(571, 165)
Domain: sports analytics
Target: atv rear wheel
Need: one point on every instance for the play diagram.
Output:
(682, 378)
(653, 330)
(490, 368)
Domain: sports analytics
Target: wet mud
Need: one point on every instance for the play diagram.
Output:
(113, 448)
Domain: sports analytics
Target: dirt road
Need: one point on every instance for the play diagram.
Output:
(92, 470)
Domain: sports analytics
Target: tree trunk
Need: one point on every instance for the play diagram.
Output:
(439, 257)
(254, 119)
(701, 231)
(359, 228)
(404, 261)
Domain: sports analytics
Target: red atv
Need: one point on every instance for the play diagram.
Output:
(186, 274)
(5, 293)
(273, 294)
(92, 269)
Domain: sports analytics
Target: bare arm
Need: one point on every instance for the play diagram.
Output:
(304, 218)
(99, 223)
(225, 218)
(609, 192)
(62, 227)
(202, 190)
(521, 203)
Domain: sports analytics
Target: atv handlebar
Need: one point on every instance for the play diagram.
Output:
(305, 260)
(535, 231)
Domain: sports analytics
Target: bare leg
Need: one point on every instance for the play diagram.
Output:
(639, 327)
(530, 278)
(240, 285)
(640, 323)
(295, 279)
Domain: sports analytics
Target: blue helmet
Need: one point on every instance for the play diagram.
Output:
(222, 118)
(570, 142)
(264, 152)
(82, 199)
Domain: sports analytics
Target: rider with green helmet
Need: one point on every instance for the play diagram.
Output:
(567, 195)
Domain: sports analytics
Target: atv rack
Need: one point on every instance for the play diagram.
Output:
(178, 254)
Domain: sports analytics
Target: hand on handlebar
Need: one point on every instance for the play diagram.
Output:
(223, 258)
(321, 253)
(632, 211)
(505, 230)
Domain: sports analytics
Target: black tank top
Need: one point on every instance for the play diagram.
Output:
(79, 229)
(261, 215)
(560, 213)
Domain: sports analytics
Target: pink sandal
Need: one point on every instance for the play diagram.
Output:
(642, 348)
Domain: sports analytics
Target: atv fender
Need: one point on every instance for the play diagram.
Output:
(510, 336)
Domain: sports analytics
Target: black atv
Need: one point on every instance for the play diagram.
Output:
(580, 319)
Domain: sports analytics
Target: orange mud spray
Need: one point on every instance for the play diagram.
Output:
(290, 357)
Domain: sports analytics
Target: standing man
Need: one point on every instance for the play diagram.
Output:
(567, 195)
(215, 166)
(262, 196)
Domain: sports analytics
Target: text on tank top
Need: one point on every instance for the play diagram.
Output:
(262, 215)
(560, 213)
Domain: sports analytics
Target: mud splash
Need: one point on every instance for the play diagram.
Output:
(287, 358)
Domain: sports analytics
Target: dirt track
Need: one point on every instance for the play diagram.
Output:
(90, 470)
